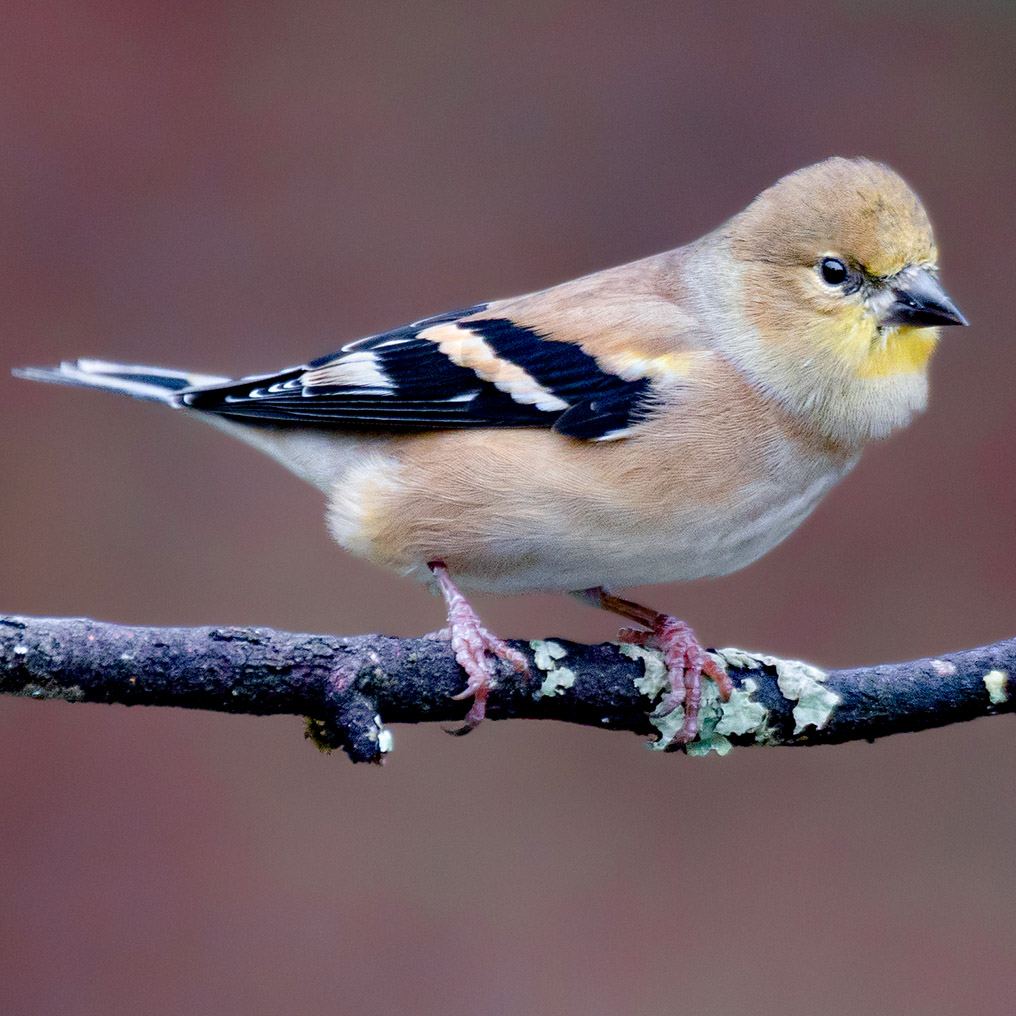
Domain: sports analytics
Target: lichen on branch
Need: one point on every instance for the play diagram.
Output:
(350, 688)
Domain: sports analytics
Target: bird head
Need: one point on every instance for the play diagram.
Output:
(838, 269)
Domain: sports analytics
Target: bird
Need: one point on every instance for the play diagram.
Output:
(665, 420)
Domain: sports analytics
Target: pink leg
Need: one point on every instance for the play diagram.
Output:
(471, 642)
(686, 660)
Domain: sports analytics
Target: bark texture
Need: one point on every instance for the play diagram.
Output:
(349, 687)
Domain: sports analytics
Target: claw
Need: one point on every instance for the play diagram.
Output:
(686, 662)
(684, 657)
(473, 645)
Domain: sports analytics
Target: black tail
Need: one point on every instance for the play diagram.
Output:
(153, 383)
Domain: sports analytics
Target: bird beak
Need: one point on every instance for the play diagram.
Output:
(920, 301)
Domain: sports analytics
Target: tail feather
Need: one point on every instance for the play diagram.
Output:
(156, 384)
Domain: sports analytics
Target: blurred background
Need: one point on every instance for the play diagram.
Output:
(234, 188)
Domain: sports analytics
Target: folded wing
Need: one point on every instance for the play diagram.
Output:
(467, 368)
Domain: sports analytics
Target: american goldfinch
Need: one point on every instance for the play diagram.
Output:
(665, 420)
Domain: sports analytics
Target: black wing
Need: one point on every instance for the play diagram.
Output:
(405, 380)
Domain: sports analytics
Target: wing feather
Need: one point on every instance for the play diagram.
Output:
(467, 368)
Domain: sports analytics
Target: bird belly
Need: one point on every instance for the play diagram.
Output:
(697, 544)
(516, 532)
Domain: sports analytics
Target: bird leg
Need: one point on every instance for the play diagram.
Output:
(471, 643)
(685, 659)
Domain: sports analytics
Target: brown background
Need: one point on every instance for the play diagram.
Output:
(237, 187)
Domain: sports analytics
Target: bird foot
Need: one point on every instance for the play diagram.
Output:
(686, 662)
(685, 659)
(473, 645)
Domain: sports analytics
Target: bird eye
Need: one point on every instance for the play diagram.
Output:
(833, 271)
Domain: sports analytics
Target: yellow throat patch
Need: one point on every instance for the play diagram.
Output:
(881, 353)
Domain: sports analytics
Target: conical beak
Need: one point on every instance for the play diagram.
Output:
(920, 301)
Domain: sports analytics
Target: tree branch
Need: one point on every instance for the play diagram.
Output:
(345, 685)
